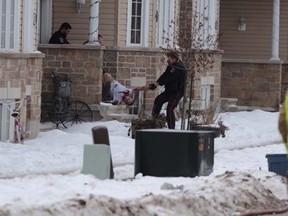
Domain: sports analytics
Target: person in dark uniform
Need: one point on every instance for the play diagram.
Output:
(59, 37)
(173, 79)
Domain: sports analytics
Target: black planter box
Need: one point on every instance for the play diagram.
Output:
(173, 153)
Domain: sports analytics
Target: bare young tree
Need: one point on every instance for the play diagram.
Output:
(194, 40)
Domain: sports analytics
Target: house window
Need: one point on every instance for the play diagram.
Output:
(46, 20)
(205, 96)
(137, 28)
(207, 86)
(165, 23)
(9, 16)
(206, 25)
(136, 22)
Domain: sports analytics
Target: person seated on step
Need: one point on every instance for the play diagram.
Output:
(119, 92)
(107, 96)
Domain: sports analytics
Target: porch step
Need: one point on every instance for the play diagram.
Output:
(251, 108)
(229, 104)
(46, 126)
(115, 112)
(124, 117)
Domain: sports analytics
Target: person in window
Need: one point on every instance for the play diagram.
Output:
(118, 92)
(100, 39)
(173, 79)
(60, 36)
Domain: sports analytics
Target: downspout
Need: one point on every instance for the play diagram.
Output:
(94, 21)
(275, 31)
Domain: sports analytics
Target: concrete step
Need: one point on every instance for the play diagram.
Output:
(115, 112)
(228, 104)
(46, 126)
(250, 108)
(124, 117)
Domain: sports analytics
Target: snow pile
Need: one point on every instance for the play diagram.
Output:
(43, 176)
(232, 194)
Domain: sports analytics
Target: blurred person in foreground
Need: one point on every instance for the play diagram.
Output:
(283, 125)
(283, 120)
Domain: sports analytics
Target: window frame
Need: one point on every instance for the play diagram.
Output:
(8, 23)
(207, 9)
(144, 24)
(205, 96)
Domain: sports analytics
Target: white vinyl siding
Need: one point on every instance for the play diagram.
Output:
(165, 23)
(9, 25)
(137, 23)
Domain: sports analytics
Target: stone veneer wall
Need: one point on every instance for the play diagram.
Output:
(208, 68)
(86, 64)
(253, 83)
(83, 64)
(20, 76)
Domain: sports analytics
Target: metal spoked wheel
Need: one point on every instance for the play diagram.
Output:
(78, 112)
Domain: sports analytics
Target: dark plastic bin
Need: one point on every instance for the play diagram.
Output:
(173, 153)
(278, 163)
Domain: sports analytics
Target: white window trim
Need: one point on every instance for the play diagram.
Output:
(144, 24)
(28, 26)
(16, 27)
(168, 14)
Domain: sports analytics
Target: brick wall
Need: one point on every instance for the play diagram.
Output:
(204, 64)
(20, 76)
(254, 84)
(82, 64)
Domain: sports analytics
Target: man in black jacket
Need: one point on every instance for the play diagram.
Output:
(59, 37)
(173, 79)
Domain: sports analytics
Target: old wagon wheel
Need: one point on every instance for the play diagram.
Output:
(58, 113)
(78, 112)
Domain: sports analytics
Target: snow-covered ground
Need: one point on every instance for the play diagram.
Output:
(43, 176)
